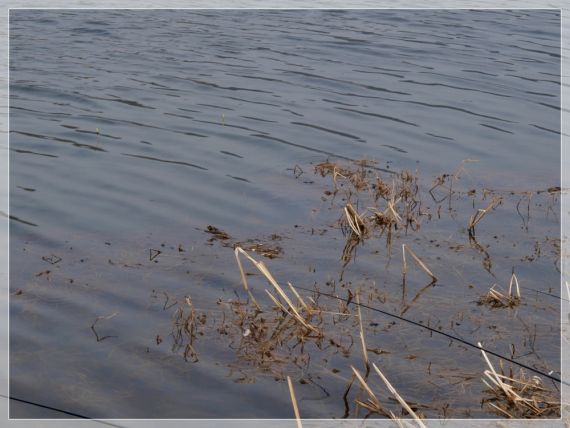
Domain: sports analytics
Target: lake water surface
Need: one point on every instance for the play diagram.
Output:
(133, 131)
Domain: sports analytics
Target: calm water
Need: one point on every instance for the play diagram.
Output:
(134, 130)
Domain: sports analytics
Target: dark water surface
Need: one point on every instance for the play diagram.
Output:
(135, 130)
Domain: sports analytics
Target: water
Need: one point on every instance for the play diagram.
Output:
(134, 130)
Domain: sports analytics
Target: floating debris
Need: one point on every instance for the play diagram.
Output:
(261, 248)
(153, 254)
(103, 317)
(52, 259)
(218, 233)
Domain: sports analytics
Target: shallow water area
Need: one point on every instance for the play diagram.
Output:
(135, 133)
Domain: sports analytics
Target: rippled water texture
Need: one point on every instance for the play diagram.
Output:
(132, 131)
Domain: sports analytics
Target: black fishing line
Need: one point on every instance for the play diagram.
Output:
(449, 336)
(65, 412)
(554, 296)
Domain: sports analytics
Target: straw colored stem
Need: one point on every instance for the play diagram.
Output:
(420, 263)
(299, 298)
(516, 282)
(362, 338)
(263, 269)
(399, 397)
(354, 220)
(364, 385)
(237, 252)
(294, 401)
(277, 302)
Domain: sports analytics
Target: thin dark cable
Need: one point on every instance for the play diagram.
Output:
(65, 412)
(458, 339)
(545, 293)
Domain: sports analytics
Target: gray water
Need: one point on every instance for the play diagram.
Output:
(134, 130)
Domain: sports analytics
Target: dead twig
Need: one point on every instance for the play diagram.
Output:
(103, 317)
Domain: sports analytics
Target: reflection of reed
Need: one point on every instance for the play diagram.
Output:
(406, 306)
(184, 330)
(487, 263)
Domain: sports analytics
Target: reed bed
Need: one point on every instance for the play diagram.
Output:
(276, 329)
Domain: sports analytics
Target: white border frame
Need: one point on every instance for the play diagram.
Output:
(284, 5)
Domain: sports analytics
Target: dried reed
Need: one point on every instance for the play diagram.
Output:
(373, 403)
(362, 337)
(290, 309)
(499, 299)
(355, 220)
(478, 216)
(402, 402)
(294, 401)
(420, 263)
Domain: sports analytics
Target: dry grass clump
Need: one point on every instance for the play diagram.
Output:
(301, 312)
(341, 174)
(392, 204)
(269, 333)
(266, 340)
(518, 397)
(398, 195)
(496, 298)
